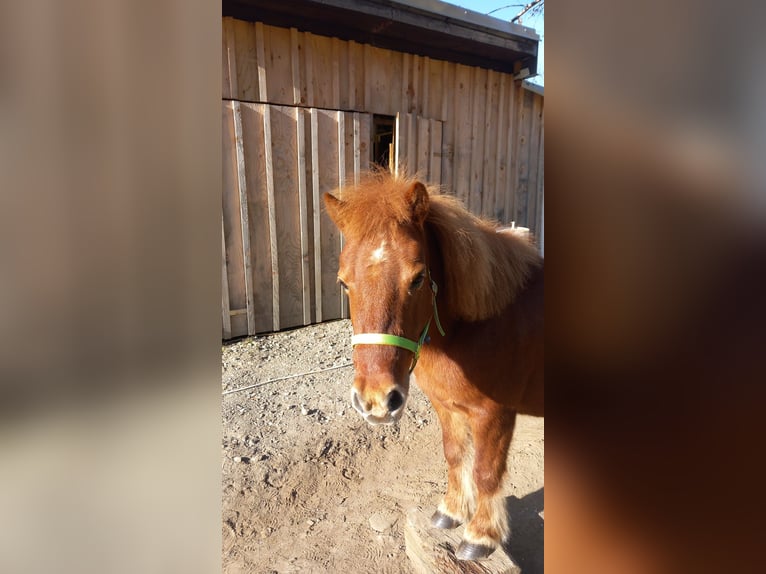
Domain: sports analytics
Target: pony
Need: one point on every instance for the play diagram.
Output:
(414, 258)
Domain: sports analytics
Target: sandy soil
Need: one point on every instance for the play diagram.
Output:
(308, 486)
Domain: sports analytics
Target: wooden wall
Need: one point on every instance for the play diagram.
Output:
(297, 115)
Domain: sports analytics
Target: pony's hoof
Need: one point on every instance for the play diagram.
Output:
(441, 520)
(470, 551)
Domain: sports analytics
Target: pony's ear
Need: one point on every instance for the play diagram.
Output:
(333, 205)
(417, 197)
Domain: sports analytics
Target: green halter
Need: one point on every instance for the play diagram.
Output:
(396, 341)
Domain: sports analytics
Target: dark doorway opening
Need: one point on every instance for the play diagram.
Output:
(382, 140)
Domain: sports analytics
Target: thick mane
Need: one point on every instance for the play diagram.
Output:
(374, 204)
(484, 270)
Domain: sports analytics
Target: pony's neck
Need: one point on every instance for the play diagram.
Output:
(480, 271)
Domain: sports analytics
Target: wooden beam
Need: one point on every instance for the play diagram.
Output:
(513, 176)
(301, 135)
(367, 77)
(267, 146)
(405, 105)
(225, 308)
(351, 48)
(295, 66)
(357, 148)
(489, 154)
(308, 52)
(475, 162)
(502, 159)
(244, 216)
(435, 167)
(317, 212)
(424, 95)
(263, 95)
(341, 182)
(422, 156)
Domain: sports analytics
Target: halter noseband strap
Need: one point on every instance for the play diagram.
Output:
(396, 341)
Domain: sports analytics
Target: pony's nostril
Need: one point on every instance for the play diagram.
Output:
(395, 400)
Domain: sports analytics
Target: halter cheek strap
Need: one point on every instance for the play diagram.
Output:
(396, 341)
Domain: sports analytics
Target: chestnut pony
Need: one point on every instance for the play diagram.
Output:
(433, 287)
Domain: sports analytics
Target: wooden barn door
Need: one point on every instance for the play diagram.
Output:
(280, 250)
(418, 143)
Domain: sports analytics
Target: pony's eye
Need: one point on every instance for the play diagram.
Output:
(417, 282)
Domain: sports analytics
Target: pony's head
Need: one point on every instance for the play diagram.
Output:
(384, 270)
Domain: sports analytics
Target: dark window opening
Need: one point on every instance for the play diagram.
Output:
(382, 140)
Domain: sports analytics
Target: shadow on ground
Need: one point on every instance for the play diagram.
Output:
(527, 542)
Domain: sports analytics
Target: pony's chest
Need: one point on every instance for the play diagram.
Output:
(442, 379)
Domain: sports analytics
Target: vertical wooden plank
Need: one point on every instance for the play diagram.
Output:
(424, 93)
(390, 99)
(305, 280)
(295, 66)
(258, 216)
(263, 95)
(365, 127)
(368, 76)
(323, 72)
(411, 165)
(540, 187)
(398, 142)
(541, 237)
(227, 57)
(344, 92)
(406, 104)
(244, 218)
(308, 42)
(308, 202)
(415, 105)
(513, 172)
(232, 227)
(448, 133)
(357, 148)
(285, 144)
(477, 140)
(245, 81)
(341, 119)
(329, 165)
(335, 55)
(225, 307)
(277, 63)
(534, 148)
(378, 71)
(317, 212)
(462, 144)
(350, 47)
(436, 89)
(423, 148)
(501, 154)
(435, 167)
(490, 153)
(267, 146)
(522, 152)
(396, 88)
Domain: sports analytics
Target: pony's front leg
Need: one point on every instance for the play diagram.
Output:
(457, 505)
(488, 528)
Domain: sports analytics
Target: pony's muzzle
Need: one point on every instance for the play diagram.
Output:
(382, 408)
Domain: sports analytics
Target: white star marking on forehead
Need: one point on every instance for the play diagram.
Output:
(379, 254)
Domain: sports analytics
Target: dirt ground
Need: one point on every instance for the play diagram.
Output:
(308, 486)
